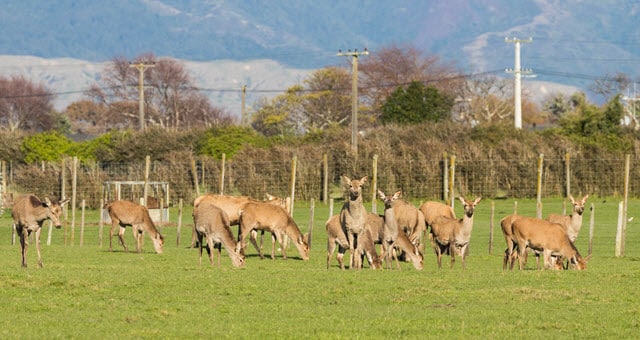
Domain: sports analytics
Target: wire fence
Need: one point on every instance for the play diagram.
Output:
(317, 176)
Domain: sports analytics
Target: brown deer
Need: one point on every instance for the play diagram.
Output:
(431, 210)
(274, 219)
(572, 223)
(232, 205)
(375, 224)
(212, 223)
(548, 238)
(125, 213)
(410, 220)
(451, 234)
(510, 254)
(391, 228)
(29, 213)
(337, 237)
(353, 216)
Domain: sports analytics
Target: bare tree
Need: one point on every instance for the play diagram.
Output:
(25, 105)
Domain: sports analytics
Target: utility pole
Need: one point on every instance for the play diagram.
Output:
(518, 73)
(141, 68)
(354, 94)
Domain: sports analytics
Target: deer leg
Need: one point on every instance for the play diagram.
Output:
(331, 247)
(252, 237)
(211, 250)
(121, 237)
(38, 247)
(351, 239)
(463, 255)
(395, 256)
(218, 247)
(452, 251)
(438, 252)
(200, 246)
(280, 239)
(273, 246)
(522, 256)
(24, 244)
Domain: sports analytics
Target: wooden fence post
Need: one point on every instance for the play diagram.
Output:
(101, 223)
(82, 207)
(591, 225)
(618, 252)
(222, 169)
(374, 184)
(452, 176)
(179, 222)
(325, 179)
(330, 208)
(493, 212)
(145, 189)
(445, 177)
(74, 191)
(311, 216)
(627, 169)
(294, 166)
(539, 186)
(567, 171)
(194, 173)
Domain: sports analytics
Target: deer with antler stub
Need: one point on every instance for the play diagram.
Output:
(454, 234)
(353, 216)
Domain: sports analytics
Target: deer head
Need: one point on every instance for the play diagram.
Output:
(354, 187)
(54, 210)
(469, 206)
(578, 206)
(388, 200)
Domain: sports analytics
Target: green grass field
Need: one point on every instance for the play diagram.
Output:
(88, 292)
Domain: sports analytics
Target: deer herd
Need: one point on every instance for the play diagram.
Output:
(400, 230)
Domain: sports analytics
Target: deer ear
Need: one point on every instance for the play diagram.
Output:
(381, 194)
(363, 180)
(346, 180)
(462, 199)
(397, 195)
(571, 199)
(478, 199)
(584, 199)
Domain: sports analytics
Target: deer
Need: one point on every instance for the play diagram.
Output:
(353, 216)
(510, 254)
(410, 219)
(571, 223)
(337, 238)
(232, 205)
(212, 223)
(29, 213)
(126, 213)
(451, 234)
(274, 219)
(431, 210)
(547, 237)
(375, 224)
(391, 228)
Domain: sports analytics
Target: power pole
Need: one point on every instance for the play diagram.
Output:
(354, 94)
(141, 68)
(518, 73)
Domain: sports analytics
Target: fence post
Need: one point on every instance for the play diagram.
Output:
(100, 227)
(445, 177)
(452, 176)
(222, 169)
(567, 171)
(618, 252)
(325, 179)
(294, 166)
(539, 186)
(627, 168)
(63, 193)
(145, 189)
(82, 207)
(591, 225)
(330, 207)
(493, 212)
(311, 215)
(374, 185)
(74, 191)
(194, 172)
(179, 222)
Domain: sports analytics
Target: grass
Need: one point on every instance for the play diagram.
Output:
(88, 292)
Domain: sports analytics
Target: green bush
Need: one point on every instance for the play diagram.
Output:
(47, 146)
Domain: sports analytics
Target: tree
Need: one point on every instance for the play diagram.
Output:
(589, 120)
(280, 115)
(611, 85)
(25, 105)
(386, 69)
(416, 104)
(171, 98)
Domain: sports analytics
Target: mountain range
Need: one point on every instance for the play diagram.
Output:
(271, 45)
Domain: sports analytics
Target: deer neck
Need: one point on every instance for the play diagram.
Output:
(464, 230)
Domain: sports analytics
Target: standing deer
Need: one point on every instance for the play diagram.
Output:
(573, 222)
(125, 213)
(375, 224)
(451, 234)
(337, 237)
(212, 223)
(274, 219)
(29, 213)
(353, 216)
(548, 238)
(391, 229)
(510, 254)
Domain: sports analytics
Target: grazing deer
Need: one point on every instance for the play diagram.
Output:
(29, 213)
(232, 205)
(274, 219)
(125, 213)
(410, 220)
(510, 254)
(548, 238)
(451, 234)
(391, 229)
(375, 224)
(431, 210)
(212, 223)
(353, 216)
(573, 222)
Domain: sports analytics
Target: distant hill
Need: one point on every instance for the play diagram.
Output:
(574, 41)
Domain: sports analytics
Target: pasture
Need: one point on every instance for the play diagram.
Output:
(88, 292)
